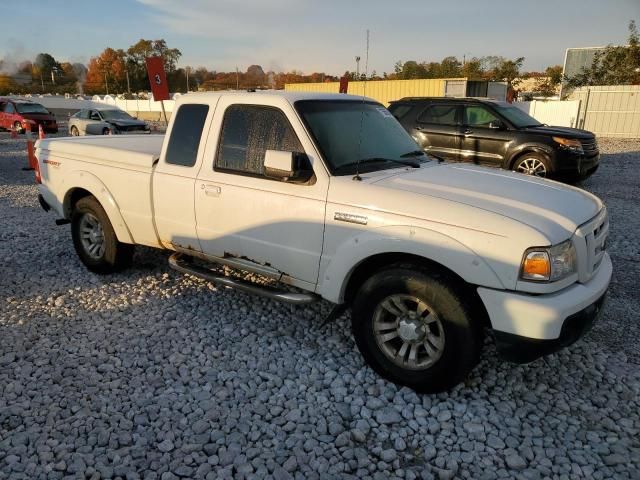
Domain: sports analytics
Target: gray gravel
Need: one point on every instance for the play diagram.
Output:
(151, 374)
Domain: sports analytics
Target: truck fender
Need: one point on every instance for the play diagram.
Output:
(422, 242)
(84, 180)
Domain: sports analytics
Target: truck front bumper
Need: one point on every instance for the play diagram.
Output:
(529, 326)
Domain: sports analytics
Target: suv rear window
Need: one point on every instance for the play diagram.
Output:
(443, 114)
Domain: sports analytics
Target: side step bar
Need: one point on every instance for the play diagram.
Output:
(178, 262)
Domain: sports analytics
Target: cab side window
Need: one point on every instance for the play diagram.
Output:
(248, 131)
(9, 108)
(185, 134)
(94, 115)
(440, 114)
(477, 116)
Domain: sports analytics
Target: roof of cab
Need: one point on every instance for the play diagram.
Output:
(289, 95)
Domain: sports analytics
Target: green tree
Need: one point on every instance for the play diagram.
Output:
(506, 70)
(614, 65)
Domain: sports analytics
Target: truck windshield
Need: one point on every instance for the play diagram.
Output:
(346, 131)
(517, 117)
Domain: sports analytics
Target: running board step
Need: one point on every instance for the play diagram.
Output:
(177, 262)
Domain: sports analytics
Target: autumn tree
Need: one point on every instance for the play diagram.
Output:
(136, 62)
(107, 72)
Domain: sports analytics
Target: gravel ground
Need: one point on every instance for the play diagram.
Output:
(152, 374)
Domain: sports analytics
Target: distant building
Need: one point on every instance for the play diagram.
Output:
(577, 59)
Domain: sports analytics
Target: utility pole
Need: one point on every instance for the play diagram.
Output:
(42, 82)
(357, 68)
(106, 83)
(128, 86)
(53, 78)
(187, 72)
(237, 79)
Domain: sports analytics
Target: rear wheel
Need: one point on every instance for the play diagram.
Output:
(414, 328)
(17, 126)
(532, 164)
(106, 131)
(95, 240)
(74, 131)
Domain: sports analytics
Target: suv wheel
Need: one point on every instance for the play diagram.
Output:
(414, 328)
(532, 164)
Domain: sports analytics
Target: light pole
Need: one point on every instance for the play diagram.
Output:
(357, 68)
(187, 72)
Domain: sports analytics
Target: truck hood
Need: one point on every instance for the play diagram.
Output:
(552, 208)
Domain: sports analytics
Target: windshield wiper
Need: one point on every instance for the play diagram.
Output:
(406, 163)
(414, 153)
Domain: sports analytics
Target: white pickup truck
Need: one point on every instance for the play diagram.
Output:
(329, 197)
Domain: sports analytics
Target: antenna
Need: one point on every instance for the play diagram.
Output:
(364, 91)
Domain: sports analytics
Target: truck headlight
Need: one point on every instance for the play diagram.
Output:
(549, 264)
(569, 143)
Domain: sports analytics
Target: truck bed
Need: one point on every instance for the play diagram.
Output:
(117, 170)
(132, 151)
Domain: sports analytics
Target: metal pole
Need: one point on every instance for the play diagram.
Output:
(357, 68)
(106, 83)
(237, 79)
(42, 82)
(128, 86)
(164, 113)
(187, 71)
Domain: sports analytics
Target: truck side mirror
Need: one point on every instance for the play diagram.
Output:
(279, 164)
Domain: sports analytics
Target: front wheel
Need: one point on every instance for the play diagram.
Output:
(17, 126)
(414, 328)
(95, 240)
(74, 131)
(532, 164)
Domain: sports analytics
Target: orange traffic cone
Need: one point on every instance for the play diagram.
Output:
(14, 133)
(40, 132)
(30, 156)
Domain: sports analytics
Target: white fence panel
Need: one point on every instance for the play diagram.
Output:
(562, 113)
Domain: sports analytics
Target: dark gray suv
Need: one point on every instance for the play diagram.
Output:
(498, 134)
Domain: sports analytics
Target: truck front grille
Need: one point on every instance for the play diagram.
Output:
(593, 240)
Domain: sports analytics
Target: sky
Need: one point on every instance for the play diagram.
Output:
(315, 36)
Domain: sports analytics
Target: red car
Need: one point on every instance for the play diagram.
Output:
(18, 114)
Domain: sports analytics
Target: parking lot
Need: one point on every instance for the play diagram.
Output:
(153, 374)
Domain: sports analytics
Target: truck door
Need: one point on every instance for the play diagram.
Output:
(175, 175)
(240, 212)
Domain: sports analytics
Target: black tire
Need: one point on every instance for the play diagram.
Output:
(105, 131)
(529, 159)
(18, 127)
(115, 255)
(462, 334)
(74, 131)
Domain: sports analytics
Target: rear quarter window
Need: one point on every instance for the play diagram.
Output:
(399, 110)
(185, 135)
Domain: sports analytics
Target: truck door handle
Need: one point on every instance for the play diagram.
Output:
(467, 131)
(211, 190)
